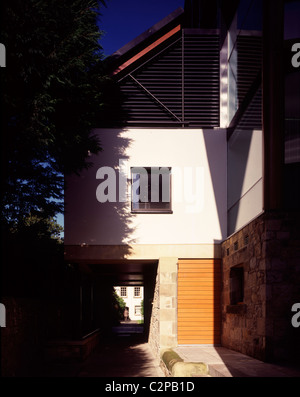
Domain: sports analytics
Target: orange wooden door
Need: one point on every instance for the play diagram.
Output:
(199, 305)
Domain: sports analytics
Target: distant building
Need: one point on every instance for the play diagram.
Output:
(133, 297)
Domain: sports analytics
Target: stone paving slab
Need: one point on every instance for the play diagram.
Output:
(223, 362)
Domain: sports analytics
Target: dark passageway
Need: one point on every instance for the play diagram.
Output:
(117, 355)
(122, 356)
(123, 349)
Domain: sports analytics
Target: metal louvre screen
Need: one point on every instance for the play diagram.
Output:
(179, 85)
(249, 63)
(252, 116)
(248, 82)
(201, 79)
(154, 92)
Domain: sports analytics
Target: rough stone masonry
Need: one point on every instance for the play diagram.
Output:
(268, 250)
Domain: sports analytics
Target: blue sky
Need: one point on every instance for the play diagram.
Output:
(123, 20)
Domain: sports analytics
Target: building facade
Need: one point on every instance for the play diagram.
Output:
(133, 298)
(195, 196)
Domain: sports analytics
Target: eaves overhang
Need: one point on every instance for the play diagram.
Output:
(142, 46)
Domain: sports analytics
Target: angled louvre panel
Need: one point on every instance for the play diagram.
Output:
(139, 106)
(178, 84)
(201, 79)
(252, 117)
(249, 66)
(162, 77)
(249, 63)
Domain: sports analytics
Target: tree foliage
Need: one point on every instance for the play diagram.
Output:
(51, 99)
(118, 307)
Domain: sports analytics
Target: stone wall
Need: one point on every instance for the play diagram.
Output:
(154, 321)
(268, 249)
(241, 323)
(163, 325)
(168, 302)
(282, 248)
(72, 349)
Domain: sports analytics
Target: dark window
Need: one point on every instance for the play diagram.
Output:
(137, 292)
(137, 310)
(151, 189)
(123, 291)
(236, 285)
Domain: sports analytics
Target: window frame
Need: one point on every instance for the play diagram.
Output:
(139, 295)
(123, 296)
(155, 209)
(138, 310)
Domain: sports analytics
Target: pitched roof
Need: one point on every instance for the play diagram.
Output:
(146, 42)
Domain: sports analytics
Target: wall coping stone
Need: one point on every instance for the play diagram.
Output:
(176, 367)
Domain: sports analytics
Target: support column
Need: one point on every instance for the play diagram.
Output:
(168, 302)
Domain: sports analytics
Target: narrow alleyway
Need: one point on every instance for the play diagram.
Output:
(123, 354)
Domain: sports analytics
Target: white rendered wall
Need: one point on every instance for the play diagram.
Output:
(245, 172)
(199, 217)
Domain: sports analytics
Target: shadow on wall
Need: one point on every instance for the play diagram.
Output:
(245, 168)
(98, 228)
(88, 221)
(96, 219)
(219, 183)
(94, 213)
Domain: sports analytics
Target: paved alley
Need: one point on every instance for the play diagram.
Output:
(125, 355)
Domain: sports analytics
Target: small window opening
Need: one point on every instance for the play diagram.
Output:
(236, 285)
(123, 291)
(137, 292)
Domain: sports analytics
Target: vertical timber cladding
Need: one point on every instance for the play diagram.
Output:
(199, 301)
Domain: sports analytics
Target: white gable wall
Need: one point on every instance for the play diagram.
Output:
(198, 217)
